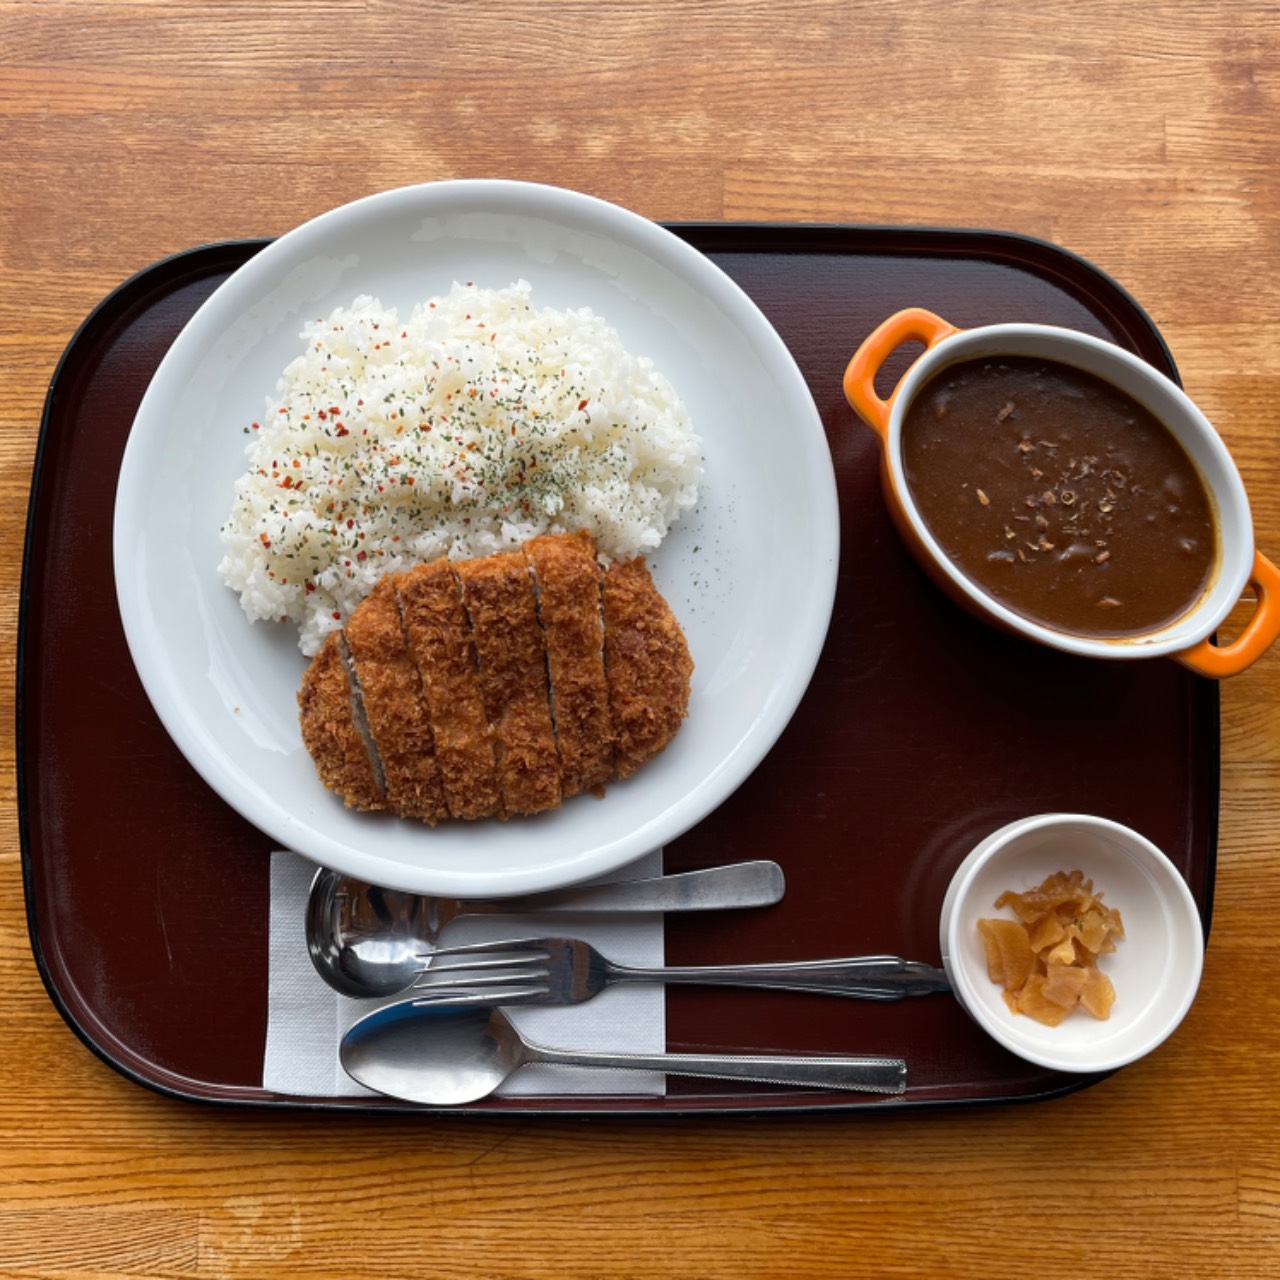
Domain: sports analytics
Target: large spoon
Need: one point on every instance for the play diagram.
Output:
(366, 941)
(445, 1057)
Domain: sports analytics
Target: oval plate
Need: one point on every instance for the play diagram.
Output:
(751, 573)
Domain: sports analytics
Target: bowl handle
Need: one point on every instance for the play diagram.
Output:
(1219, 661)
(860, 376)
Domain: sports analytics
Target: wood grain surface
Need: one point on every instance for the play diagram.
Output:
(1142, 136)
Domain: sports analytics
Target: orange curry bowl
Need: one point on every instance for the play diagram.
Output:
(1063, 489)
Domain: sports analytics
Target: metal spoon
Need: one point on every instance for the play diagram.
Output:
(444, 1057)
(367, 941)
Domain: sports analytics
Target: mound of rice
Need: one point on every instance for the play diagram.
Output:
(475, 424)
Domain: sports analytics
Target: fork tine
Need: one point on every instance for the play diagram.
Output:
(483, 955)
(465, 964)
(480, 963)
(509, 995)
(468, 978)
(496, 944)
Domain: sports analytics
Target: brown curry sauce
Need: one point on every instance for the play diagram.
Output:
(1060, 496)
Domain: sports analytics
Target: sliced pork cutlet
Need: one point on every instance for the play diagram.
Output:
(498, 593)
(647, 664)
(567, 582)
(334, 730)
(440, 640)
(395, 705)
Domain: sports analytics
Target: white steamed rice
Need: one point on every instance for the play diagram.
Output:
(475, 424)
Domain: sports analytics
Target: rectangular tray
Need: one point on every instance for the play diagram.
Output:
(923, 730)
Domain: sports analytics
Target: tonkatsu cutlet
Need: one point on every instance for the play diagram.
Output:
(498, 594)
(439, 635)
(332, 728)
(395, 706)
(567, 585)
(647, 663)
(526, 677)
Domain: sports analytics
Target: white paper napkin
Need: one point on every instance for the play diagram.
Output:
(306, 1019)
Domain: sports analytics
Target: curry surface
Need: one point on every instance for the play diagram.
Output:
(1060, 495)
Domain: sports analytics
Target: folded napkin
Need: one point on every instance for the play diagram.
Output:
(307, 1019)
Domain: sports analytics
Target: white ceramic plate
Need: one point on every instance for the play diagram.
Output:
(751, 573)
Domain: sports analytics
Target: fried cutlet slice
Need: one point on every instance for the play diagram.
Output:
(498, 594)
(567, 582)
(334, 730)
(439, 636)
(395, 705)
(647, 664)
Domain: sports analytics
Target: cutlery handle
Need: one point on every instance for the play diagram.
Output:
(863, 977)
(744, 884)
(854, 1074)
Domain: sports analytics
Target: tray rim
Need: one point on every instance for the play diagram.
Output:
(939, 240)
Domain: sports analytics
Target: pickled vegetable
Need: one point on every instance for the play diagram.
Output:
(1047, 958)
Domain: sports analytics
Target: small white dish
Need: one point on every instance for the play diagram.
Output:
(751, 573)
(1155, 969)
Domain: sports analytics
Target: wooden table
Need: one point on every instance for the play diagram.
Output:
(1143, 137)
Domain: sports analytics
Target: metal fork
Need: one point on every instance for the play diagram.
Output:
(561, 971)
